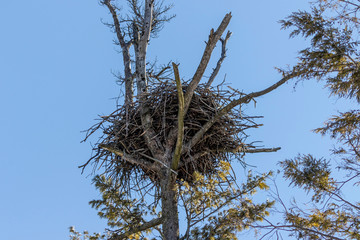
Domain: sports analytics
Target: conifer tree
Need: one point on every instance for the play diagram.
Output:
(333, 57)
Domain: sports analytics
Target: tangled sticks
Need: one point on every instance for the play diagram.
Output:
(121, 138)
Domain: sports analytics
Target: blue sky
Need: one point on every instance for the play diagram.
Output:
(56, 59)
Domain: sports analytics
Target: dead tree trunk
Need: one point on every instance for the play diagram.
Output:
(169, 205)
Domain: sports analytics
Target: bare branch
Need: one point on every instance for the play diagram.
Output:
(220, 61)
(143, 227)
(158, 161)
(227, 108)
(260, 150)
(129, 158)
(180, 120)
(129, 93)
(116, 23)
(245, 149)
(214, 37)
(140, 44)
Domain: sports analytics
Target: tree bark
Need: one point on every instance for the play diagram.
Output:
(169, 202)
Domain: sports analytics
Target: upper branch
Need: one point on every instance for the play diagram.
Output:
(143, 227)
(148, 19)
(246, 99)
(221, 59)
(119, 35)
(180, 130)
(214, 37)
(141, 39)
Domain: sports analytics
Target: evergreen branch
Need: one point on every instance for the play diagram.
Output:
(143, 227)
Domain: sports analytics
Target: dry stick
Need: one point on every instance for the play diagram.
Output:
(246, 150)
(260, 150)
(180, 120)
(129, 158)
(158, 161)
(214, 37)
(143, 227)
(246, 99)
(221, 59)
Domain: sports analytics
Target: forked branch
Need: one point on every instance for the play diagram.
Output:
(214, 37)
(221, 59)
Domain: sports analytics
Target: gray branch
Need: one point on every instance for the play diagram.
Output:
(221, 59)
(214, 37)
(245, 99)
(141, 40)
(245, 149)
(129, 158)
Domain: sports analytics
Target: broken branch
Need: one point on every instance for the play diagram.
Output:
(180, 120)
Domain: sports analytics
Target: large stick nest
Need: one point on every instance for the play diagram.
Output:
(124, 131)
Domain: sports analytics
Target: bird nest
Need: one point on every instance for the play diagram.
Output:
(123, 130)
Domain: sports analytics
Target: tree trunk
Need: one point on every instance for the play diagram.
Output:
(169, 201)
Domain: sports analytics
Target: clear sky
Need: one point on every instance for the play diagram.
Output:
(56, 59)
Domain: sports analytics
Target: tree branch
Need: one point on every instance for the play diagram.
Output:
(246, 99)
(143, 227)
(180, 120)
(214, 37)
(296, 228)
(129, 93)
(220, 61)
(141, 40)
(116, 23)
(244, 149)
(129, 158)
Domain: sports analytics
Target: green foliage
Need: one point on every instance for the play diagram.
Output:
(216, 207)
(309, 173)
(121, 211)
(336, 216)
(74, 235)
(333, 56)
(226, 207)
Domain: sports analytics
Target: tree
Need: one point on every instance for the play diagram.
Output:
(171, 144)
(333, 57)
